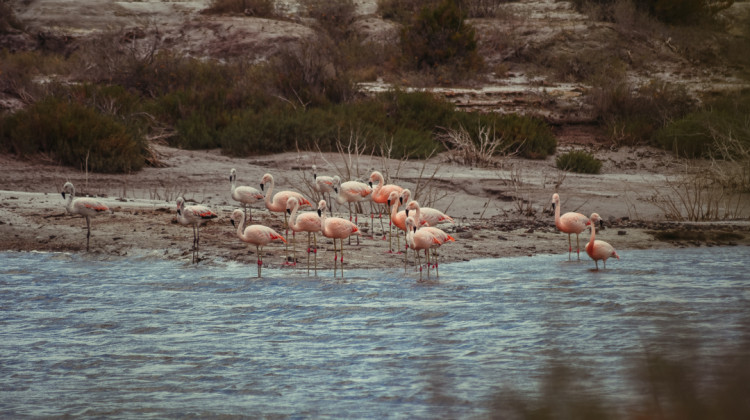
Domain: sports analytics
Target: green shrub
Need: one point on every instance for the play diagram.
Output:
(74, 134)
(632, 116)
(578, 161)
(702, 133)
(439, 35)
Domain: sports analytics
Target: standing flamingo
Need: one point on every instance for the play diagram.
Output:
(599, 250)
(398, 218)
(381, 192)
(569, 223)
(324, 185)
(438, 233)
(306, 222)
(194, 215)
(352, 192)
(244, 194)
(84, 206)
(336, 228)
(257, 235)
(427, 215)
(278, 203)
(418, 240)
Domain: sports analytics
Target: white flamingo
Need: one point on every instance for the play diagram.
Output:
(244, 195)
(324, 185)
(85, 206)
(194, 215)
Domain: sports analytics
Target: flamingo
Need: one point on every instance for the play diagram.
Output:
(398, 218)
(599, 250)
(427, 215)
(278, 203)
(194, 215)
(257, 235)
(569, 223)
(336, 228)
(381, 192)
(418, 240)
(305, 222)
(244, 194)
(85, 206)
(438, 233)
(324, 184)
(352, 192)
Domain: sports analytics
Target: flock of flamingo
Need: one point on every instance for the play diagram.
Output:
(419, 227)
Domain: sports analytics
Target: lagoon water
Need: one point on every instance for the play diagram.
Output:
(143, 337)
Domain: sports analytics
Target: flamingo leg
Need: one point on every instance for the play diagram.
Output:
(335, 258)
(427, 255)
(578, 247)
(570, 247)
(315, 241)
(308, 253)
(342, 257)
(88, 232)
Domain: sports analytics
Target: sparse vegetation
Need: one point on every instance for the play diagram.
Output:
(256, 8)
(578, 161)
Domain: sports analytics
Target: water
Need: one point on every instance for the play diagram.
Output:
(96, 336)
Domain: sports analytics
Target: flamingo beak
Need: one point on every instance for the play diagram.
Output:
(553, 206)
(288, 211)
(601, 224)
(336, 190)
(407, 212)
(232, 220)
(261, 187)
(63, 194)
(401, 200)
(370, 184)
(320, 213)
(389, 202)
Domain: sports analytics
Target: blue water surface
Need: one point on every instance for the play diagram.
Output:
(87, 335)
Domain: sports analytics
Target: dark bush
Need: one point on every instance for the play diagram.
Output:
(334, 16)
(439, 35)
(678, 12)
(75, 135)
(578, 161)
(257, 8)
(704, 133)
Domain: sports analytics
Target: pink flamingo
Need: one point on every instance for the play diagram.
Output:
(244, 194)
(569, 223)
(324, 184)
(278, 203)
(257, 235)
(306, 222)
(352, 192)
(398, 218)
(599, 250)
(194, 215)
(381, 192)
(336, 228)
(85, 206)
(420, 239)
(438, 233)
(427, 215)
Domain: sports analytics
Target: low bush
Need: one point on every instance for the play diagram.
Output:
(703, 133)
(257, 8)
(632, 116)
(75, 135)
(578, 161)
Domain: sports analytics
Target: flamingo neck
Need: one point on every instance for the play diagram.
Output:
(557, 213)
(593, 233)
(293, 216)
(269, 194)
(241, 228)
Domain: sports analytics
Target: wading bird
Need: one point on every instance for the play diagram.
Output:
(244, 195)
(85, 206)
(599, 250)
(257, 235)
(277, 203)
(381, 192)
(195, 216)
(336, 228)
(569, 223)
(305, 222)
(353, 192)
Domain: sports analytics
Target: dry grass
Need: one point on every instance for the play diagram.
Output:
(482, 152)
